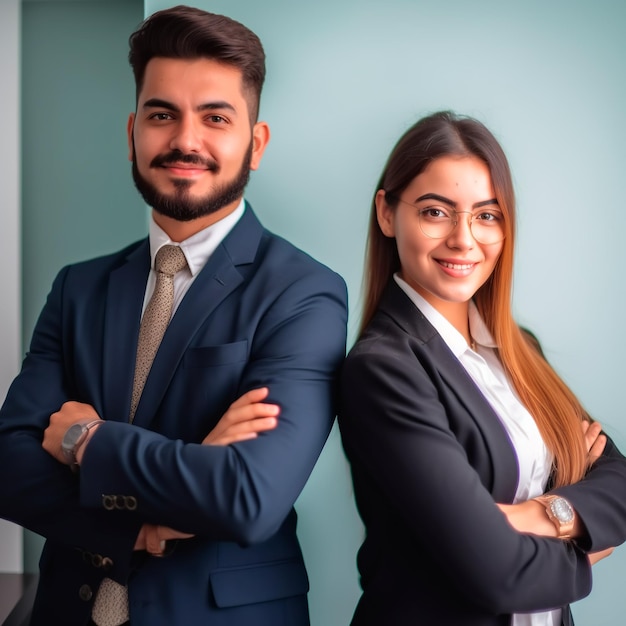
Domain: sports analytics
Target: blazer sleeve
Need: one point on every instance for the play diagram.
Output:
(241, 492)
(600, 500)
(36, 491)
(397, 436)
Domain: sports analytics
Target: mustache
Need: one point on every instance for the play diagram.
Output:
(176, 156)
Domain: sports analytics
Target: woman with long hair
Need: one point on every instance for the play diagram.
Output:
(486, 490)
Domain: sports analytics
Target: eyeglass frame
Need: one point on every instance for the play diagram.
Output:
(454, 221)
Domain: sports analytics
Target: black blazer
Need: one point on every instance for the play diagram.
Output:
(429, 459)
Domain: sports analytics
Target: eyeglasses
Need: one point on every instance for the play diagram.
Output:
(437, 222)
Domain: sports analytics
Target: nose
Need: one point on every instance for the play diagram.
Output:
(461, 235)
(186, 136)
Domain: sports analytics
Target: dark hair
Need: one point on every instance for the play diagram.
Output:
(556, 410)
(184, 32)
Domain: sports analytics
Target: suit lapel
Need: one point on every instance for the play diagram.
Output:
(505, 475)
(215, 282)
(124, 302)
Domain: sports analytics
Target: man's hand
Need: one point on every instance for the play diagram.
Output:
(594, 440)
(152, 538)
(66, 416)
(245, 419)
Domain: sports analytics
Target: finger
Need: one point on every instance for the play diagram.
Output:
(258, 425)
(597, 448)
(591, 433)
(250, 397)
(166, 532)
(255, 425)
(241, 432)
(227, 440)
(247, 413)
(253, 411)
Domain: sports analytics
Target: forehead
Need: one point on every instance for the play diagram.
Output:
(456, 175)
(192, 80)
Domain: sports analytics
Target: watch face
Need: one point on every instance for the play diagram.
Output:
(562, 510)
(71, 437)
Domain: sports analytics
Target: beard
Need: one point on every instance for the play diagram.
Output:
(181, 205)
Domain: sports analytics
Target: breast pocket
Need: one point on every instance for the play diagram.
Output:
(215, 356)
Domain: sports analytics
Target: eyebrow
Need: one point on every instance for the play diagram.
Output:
(435, 196)
(158, 103)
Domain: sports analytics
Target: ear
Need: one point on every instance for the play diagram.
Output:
(385, 214)
(260, 139)
(129, 135)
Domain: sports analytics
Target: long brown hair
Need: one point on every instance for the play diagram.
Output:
(554, 407)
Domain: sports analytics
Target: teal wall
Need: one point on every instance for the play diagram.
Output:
(78, 198)
(345, 78)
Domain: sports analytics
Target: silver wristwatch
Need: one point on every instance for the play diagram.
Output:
(74, 437)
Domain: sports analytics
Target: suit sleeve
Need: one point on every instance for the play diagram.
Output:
(36, 491)
(600, 500)
(241, 492)
(407, 461)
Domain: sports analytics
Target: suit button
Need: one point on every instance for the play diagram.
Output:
(131, 503)
(96, 560)
(120, 502)
(108, 502)
(85, 593)
(107, 563)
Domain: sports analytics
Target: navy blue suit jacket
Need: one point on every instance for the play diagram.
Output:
(260, 313)
(429, 459)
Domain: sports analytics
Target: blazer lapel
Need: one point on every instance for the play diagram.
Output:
(215, 282)
(505, 474)
(124, 302)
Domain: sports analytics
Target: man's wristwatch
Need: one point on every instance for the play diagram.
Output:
(561, 514)
(74, 437)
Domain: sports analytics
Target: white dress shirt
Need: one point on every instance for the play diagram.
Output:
(534, 460)
(197, 250)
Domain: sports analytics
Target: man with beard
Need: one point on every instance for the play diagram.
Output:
(178, 393)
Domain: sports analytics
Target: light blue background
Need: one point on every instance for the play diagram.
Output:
(345, 79)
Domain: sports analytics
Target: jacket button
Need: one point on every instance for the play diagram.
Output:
(107, 563)
(96, 560)
(85, 593)
(131, 503)
(108, 502)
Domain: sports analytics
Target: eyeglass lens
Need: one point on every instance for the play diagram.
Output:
(486, 224)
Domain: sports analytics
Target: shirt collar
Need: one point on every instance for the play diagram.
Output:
(478, 329)
(453, 338)
(199, 247)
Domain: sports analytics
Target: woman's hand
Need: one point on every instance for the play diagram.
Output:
(245, 419)
(529, 517)
(594, 557)
(594, 440)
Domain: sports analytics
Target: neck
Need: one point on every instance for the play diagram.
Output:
(457, 313)
(178, 231)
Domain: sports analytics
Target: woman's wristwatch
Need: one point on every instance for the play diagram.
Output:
(561, 514)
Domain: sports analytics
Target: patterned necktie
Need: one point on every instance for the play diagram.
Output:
(111, 605)
(169, 260)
